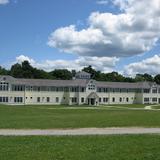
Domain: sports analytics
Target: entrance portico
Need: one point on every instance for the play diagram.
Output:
(93, 99)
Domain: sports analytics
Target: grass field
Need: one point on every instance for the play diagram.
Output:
(49, 117)
(133, 147)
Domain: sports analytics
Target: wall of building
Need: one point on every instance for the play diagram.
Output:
(30, 97)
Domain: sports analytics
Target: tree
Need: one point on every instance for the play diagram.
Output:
(3, 71)
(90, 70)
(27, 70)
(157, 78)
(61, 74)
(143, 77)
(16, 71)
(148, 77)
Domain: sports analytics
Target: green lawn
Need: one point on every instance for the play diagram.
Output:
(129, 105)
(133, 147)
(155, 107)
(47, 117)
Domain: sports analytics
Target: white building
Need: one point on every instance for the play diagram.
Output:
(81, 90)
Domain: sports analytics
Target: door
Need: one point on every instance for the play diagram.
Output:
(92, 101)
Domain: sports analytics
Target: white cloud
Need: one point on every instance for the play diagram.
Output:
(105, 64)
(132, 32)
(23, 58)
(149, 65)
(102, 2)
(4, 2)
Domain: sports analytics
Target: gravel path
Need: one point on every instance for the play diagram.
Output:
(81, 131)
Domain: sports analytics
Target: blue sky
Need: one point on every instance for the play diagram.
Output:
(40, 31)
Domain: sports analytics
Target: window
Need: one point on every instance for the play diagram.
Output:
(91, 86)
(82, 99)
(120, 99)
(146, 90)
(4, 86)
(100, 100)
(74, 89)
(74, 100)
(3, 99)
(48, 99)
(105, 90)
(113, 99)
(154, 99)
(57, 99)
(38, 99)
(127, 99)
(105, 99)
(146, 99)
(154, 90)
(18, 99)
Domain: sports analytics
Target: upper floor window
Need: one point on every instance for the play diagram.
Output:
(17, 88)
(4, 86)
(146, 90)
(154, 90)
(100, 89)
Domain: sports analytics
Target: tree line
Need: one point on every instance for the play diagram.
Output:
(25, 70)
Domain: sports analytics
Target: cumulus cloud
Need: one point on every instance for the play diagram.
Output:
(105, 64)
(133, 31)
(4, 2)
(149, 65)
(102, 2)
(23, 58)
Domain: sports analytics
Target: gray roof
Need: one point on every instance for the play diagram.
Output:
(76, 82)
(44, 82)
(124, 84)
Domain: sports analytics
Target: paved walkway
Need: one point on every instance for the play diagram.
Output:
(81, 131)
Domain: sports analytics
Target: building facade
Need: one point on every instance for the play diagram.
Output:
(81, 90)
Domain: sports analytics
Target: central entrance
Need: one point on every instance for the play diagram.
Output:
(93, 99)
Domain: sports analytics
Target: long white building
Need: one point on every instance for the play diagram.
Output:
(81, 90)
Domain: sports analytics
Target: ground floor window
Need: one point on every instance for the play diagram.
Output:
(105, 99)
(154, 99)
(113, 99)
(100, 100)
(48, 99)
(120, 99)
(127, 99)
(3, 99)
(146, 100)
(82, 99)
(38, 99)
(74, 100)
(18, 99)
(57, 99)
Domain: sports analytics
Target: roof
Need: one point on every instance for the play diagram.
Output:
(44, 82)
(76, 82)
(93, 95)
(126, 84)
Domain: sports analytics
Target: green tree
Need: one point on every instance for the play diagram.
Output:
(3, 71)
(16, 71)
(157, 78)
(61, 74)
